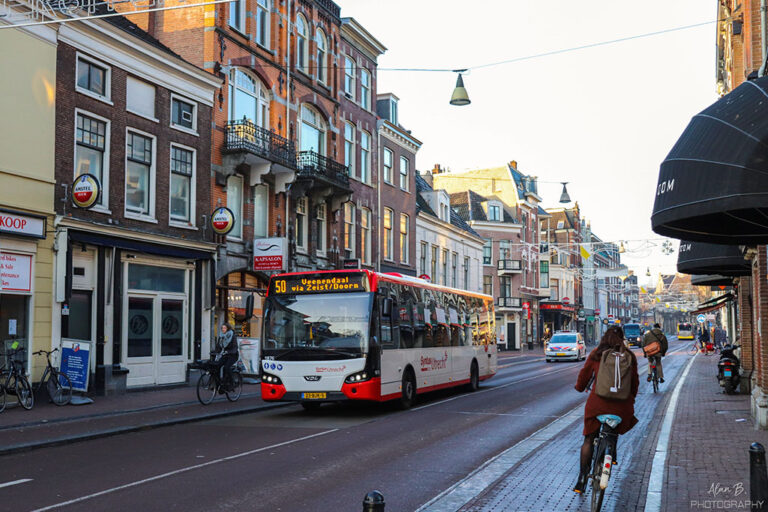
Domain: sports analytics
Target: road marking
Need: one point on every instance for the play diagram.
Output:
(656, 480)
(181, 470)
(16, 482)
(537, 360)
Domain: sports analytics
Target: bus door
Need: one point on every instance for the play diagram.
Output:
(392, 358)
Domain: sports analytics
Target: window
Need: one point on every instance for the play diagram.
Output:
(387, 163)
(349, 229)
(365, 156)
(182, 176)
(365, 89)
(237, 15)
(404, 173)
(488, 285)
(494, 212)
(393, 111)
(554, 289)
(93, 78)
(320, 235)
(349, 77)
(466, 272)
(301, 223)
(248, 99)
(487, 257)
(505, 286)
(388, 251)
(235, 203)
(322, 57)
(404, 238)
(454, 269)
(183, 114)
(349, 147)
(140, 97)
(365, 235)
(423, 258)
(262, 22)
(544, 274)
(302, 47)
(433, 265)
(313, 129)
(445, 268)
(261, 211)
(138, 174)
(91, 136)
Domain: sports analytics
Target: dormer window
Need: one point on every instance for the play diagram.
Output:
(494, 212)
(393, 111)
(560, 224)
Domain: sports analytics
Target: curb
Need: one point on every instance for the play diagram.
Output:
(25, 447)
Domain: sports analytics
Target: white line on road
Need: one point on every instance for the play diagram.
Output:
(16, 482)
(181, 470)
(656, 480)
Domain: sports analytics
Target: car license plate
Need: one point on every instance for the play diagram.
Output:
(727, 373)
(313, 396)
(561, 354)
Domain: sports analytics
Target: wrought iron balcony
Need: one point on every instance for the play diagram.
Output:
(509, 302)
(246, 136)
(509, 266)
(314, 165)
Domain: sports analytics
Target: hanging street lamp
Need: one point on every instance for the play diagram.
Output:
(460, 97)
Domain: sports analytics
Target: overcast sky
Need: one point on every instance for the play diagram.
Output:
(601, 118)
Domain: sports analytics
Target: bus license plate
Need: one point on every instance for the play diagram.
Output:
(313, 396)
(561, 354)
(727, 373)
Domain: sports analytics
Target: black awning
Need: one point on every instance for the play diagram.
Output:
(700, 258)
(713, 304)
(138, 245)
(711, 280)
(713, 185)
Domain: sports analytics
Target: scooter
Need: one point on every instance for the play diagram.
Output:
(728, 369)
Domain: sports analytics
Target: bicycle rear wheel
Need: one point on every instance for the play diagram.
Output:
(655, 382)
(206, 388)
(2, 398)
(59, 388)
(237, 387)
(24, 393)
(693, 350)
(597, 469)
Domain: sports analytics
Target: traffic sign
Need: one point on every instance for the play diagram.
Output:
(701, 318)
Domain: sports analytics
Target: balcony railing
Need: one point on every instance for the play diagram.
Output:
(509, 266)
(244, 135)
(509, 302)
(333, 9)
(313, 164)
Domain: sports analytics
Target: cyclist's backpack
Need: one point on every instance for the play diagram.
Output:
(614, 377)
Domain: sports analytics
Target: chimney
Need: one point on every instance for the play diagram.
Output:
(436, 169)
(427, 176)
(513, 164)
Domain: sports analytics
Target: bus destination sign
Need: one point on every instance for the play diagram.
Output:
(297, 285)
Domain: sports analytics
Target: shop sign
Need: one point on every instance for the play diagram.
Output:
(222, 220)
(85, 191)
(15, 272)
(566, 300)
(425, 277)
(527, 309)
(269, 254)
(351, 263)
(75, 362)
(20, 224)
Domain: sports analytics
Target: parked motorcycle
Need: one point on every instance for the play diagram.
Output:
(728, 369)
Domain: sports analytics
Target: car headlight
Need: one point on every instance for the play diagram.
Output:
(357, 377)
(270, 379)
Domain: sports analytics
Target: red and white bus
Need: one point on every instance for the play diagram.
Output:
(360, 335)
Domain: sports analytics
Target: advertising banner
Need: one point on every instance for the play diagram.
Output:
(269, 254)
(75, 362)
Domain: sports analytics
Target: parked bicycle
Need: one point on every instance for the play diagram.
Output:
(57, 384)
(14, 382)
(603, 458)
(212, 380)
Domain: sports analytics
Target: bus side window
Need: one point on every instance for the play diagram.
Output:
(388, 340)
(462, 323)
(474, 322)
(418, 325)
(430, 324)
(405, 311)
(453, 320)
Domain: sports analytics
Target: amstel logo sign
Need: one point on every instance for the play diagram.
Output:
(222, 220)
(85, 191)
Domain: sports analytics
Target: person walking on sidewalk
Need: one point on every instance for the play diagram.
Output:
(612, 340)
(227, 345)
(656, 334)
(704, 338)
(721, 337)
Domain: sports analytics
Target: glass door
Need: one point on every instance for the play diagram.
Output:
(140, 340)
(171, 311)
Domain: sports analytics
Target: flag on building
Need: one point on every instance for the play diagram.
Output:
(585, 253)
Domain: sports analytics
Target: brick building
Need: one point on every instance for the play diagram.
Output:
(132, 272)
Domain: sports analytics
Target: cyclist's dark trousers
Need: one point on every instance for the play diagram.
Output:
(226, 363)
(657, 361)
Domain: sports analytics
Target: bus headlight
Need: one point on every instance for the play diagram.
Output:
(270, 379)
(357, 377)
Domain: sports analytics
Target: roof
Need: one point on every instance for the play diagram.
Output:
(523, 183)
(423, 206)
(469, 206)
(567, 216)
(129, 27)
(543, 213)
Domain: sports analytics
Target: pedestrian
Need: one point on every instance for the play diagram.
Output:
(656, 334)
(227, 346)
(704, 339)
(612, 340)
(721, 338)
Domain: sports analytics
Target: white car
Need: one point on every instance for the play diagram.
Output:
(568, 346)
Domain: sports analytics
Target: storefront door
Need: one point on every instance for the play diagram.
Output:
(156, 338)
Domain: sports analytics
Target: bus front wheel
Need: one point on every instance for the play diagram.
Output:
(408, 396)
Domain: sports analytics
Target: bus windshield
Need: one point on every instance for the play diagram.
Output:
(332, 325)
(683, 327)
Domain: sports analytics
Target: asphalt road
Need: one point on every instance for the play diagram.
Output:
(287, 459)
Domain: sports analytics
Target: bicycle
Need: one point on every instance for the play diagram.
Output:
(210, 383)
(603, 455)
(57, 384)
(16, 383)
(654, 377)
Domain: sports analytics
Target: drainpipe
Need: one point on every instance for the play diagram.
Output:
(378, 203)
(763, 36)
(287, 223)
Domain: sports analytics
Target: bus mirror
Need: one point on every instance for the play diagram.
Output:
(249, 306)
(386, 308)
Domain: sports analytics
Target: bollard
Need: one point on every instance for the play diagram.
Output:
(374, 501)
(758, 476)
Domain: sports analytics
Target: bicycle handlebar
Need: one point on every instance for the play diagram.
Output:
(45, 352)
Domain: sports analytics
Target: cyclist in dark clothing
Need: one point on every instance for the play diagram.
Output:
(227, 345)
